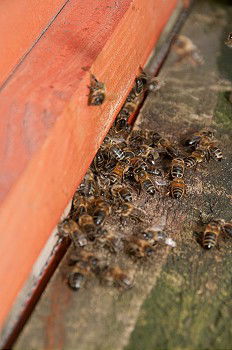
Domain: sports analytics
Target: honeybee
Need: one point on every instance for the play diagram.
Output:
(166, 144)
(185, 48)
(154, 84)
(202, 138)
(109, 240)
(126, 210)
(153, 235)
(216, 153)
(196, 157)
(75, 280)
(86, 264)
(148, 153)
(79, 206)
(211, 233)
(140, 83)
(100, 159)
(227, 228)
(228, 41)
(117, 173)
(69, 228)
(145, 182)
(177, 168)
(117, 152)
(178, 188)
(88, 187)
(97, 92)
(87, 223)
(100, 210)
(115, 276)
(139, 247)
(122, 192)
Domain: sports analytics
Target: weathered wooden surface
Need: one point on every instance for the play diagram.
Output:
(189, 305)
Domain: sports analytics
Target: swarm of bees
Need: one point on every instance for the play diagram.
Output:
(128, 163)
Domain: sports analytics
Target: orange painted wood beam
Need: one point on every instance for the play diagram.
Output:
(48, 133)
(21, 23)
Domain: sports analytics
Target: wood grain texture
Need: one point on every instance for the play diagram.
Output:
(49, 135)
(21, 23)
(188, 303)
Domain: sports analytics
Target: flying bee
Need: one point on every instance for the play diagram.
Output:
(185, 48)
(115, 276)
(177, 168)
(228, 41)
(177, 187)
(121, 192)
(96, 92)
(69, 228)
(87, 224)
(139, 247)
(88, 187)
(154, 84)
(117, 173)
(211, 233)
(196, 157)
(100, 210)
(145, 182)
(202, 137)
(154, 235)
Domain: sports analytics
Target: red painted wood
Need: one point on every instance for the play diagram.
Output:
(21, 23)
(49, 134)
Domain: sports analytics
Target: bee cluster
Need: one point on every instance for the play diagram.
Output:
(128, 163)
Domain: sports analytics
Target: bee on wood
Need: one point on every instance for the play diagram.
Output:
(145, 182)
(177, 168)
(97, 92)
(115, 276)
(100, 159)
(140, 82)
(99, 210)
(109, 240)
(79, 206)
(139, 247)
(228, 41)
(227, 228)
(216, 153)
(154, 235)
(178, 188)
(167, 146)
(86, 264)
(117, 173)
(117, 153)
(122, 192)
(69, 228)
(196, 157)
(202, 138)
(87, 223)
(149, 154)
(128, 210)
(211, 233)
(88, 187)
